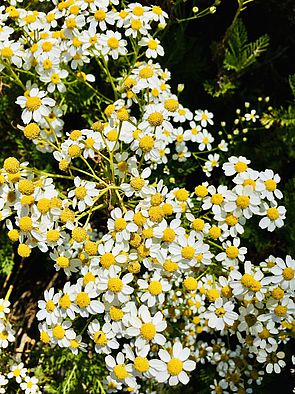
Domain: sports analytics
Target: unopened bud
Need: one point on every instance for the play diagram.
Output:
(180, 87)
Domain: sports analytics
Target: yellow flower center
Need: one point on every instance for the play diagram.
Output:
(74, 151)
(231, 220)
(141, 364)
(80, 192)
(33, 103)
(55, 79)
(212, 295)
(23, 250)
(201, 191)
(71, 23)
(112, 135)
(146, 143)
(171, 105)
(123, 166)
(190, 283)
(116, 313)
(232, 252)
(100, 15)
(6, 52)
(83, 299)
(181, 195)
(43, 205)
(26, 187)
(11, 165)
(47, 46)
(152, 44)
(148, 331)
(136, 24)
(120, 371)
(174, 366)
(288, 273)
(156, 214)
(113, 43)
(50, 306)
(270, 185)
(170, 266)
(215, 232)
(240, 166)
(100, 338)
(155, 119)
(198, 224)
(220, 312)
(79, 234)
(243, 201)
(64, 301)
(115, 285)
(58, 332)
(264, 334)
(168, 235)
(217, 199)
(120, 224)
(63, 262)
(146, 72)
(273, 213)
(155, 287)
(13, 235)
(107, 259)
(277, 293)
(138, 11)
(280, 310)
(137, 183)
(188, 252)
(25, 223)
(31, 131)
(52, 235)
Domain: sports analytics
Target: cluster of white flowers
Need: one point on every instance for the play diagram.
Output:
(170, 265)
(6, 330)
(28, 384)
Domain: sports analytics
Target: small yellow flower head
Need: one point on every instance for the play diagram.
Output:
(11, 165)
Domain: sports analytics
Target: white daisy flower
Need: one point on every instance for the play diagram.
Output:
(146, 328)
(204, 117)
(173, 367)
(220, 314)
(4, 308)
(270, 181)
(235, 165)
(138, 184)
(122, 225)
(274, 361)
(62, 333)
(86, 302)
(154, 288)
(6, 334)
(204, 138)
(120, 371)
(103, 337)
(115, 287)
(284, 273)
(48, 308)
(83, 194)
(36, 105)
(274, 217)
(18, 372)
(30, 385)
(112, 44)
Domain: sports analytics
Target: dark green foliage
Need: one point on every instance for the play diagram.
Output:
(240, 53)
